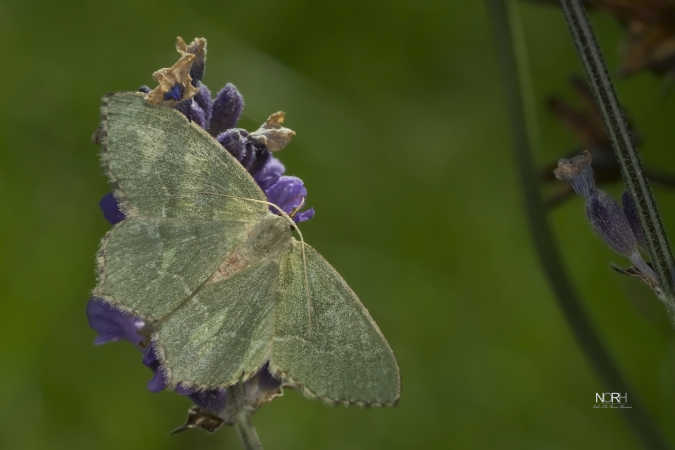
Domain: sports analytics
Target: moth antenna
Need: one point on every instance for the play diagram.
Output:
(304, 268)
(297, 208)
(295, 227)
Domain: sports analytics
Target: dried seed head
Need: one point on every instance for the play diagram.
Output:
(273, 134)
(175, 83)
(198, 48)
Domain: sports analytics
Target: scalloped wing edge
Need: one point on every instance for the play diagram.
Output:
(289, 381)
(286, 381)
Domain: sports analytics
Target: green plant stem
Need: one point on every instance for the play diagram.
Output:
(624, 149)
(566, 296)
(247, 433)
(242, 418)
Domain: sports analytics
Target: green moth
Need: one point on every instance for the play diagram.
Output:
(222, 282)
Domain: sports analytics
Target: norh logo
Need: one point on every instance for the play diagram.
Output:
(611, 400)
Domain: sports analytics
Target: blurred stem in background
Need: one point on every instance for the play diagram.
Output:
(513, 71)
(624, 149)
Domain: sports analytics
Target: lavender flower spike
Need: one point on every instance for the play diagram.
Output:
(181, 87)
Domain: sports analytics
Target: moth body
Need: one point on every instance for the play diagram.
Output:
(268, 236)
(264, 241)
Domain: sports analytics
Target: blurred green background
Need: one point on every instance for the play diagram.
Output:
(403, 141)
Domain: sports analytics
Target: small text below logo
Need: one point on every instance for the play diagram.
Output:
(612, 400)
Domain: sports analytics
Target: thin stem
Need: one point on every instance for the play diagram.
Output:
(247, 433)
(624, 149)
(242, 418)
(544, 241)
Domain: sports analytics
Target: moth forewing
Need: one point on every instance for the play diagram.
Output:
(340, 356)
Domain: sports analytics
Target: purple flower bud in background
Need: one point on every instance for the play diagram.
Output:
(630, 209)
(578, 173)
(606, 216)
(614, 225)
(610, 223)
(227, 108)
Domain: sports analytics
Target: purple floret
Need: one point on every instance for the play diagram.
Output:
(269, 174)
(112, 324)
(289, 193)
(203, 99)
(226, 109)
(191, 109)
(111, 209)
(157, 383)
